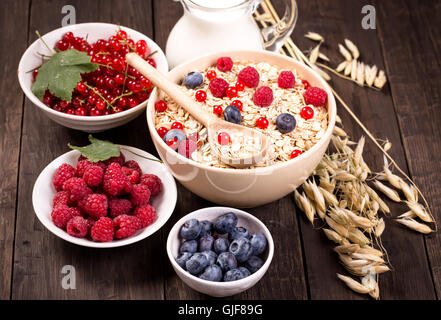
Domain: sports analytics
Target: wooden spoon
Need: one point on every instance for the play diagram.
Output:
(213, 124)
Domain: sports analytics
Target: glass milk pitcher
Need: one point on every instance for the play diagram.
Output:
(208, 26)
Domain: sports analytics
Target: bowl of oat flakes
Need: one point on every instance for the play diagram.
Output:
(268, 92)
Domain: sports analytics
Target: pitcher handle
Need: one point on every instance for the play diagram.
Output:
(275, 36)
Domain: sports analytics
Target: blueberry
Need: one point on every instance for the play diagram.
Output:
(207, 228)
(227, 261)
(254, 263)
(196, 263)
(225, 223)
(259, 243)
(285, 122)
(211, 256)
(206, 243)
(193, 80)
(191, 229)
(189, 246)
(232, 114)
(212, 273)
(236, 274)
(182, 259)
(175, 134)
(237, 233)
(221, 245)
(242, 249)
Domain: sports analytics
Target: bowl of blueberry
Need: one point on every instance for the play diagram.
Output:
(220, 251)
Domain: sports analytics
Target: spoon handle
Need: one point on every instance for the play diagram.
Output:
(170, 88)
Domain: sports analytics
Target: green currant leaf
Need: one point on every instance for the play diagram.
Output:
(61, 73)
(98, 150)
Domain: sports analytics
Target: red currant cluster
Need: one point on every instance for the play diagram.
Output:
(114, 86)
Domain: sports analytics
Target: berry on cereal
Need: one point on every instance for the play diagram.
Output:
(263, 97)
(224, 64)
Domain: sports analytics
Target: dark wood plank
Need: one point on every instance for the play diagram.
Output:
(413, 63)
(411, 277)
(132, 272)
(285, 278)
(14, 23)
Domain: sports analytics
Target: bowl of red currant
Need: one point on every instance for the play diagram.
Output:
(77, 75)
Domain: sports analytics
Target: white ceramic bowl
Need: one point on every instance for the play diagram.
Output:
(164, 203)
(220, 289)
(243, 187)
(94, 31)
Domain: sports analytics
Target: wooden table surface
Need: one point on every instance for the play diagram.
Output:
(406, 44)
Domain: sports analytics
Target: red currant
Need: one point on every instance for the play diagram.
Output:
(218, 110)
(145, 82)
(162, 131)
(70, 111)
(81, 87)
(160, 106)
(231, 92)
(68, 37)
(223, 139)
(136, 87)
(117, 109)
(240, 86)
(62, 45)
(307, 113)
(238, 104)
(177, 125)
(151, 62)
(34, 74)
(306, 84)
(141, 47)
(100, 105)
(64, 104)
(121, 34)
(295, 153)
(200, 95)
(211, 75)
(95, 112)
(172, 143)
(133, 102)
(81, 111)
(110, 83)
(119, 78)
(262, 123)
(123, 102)
(118, 64)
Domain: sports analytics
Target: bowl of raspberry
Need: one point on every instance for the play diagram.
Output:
(104, 204)
(220, 251)
(267, 92)
(77, 75)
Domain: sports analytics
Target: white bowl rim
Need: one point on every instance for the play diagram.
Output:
(115, 243)
(29, 94)
(252, 276)
(258, 170)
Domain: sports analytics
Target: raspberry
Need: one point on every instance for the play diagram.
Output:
(140, 195)
(120, 160)
(263, 96)
(84, 163)
(218, 87)
(132, 164)
(77, 227)
(76, 188)
(63, 173)
(61, 198)
(315, 96)
(126, 226)
(249, 76)
(61, 216)
(115, 182)
(81, 166)
(224, 64)
(102, 230)
(146, 213)
(119, 206)
(152, 182)
(95, 205)
(90, 223)
(131, 174)
(286, 80)
(76, 212)
(93, 175)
